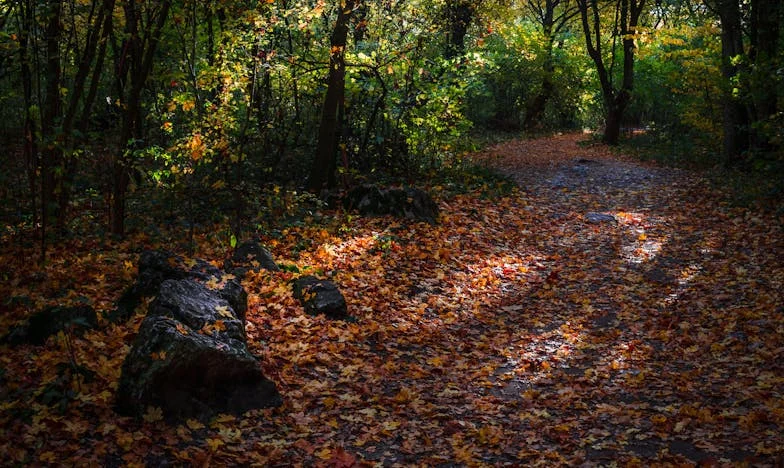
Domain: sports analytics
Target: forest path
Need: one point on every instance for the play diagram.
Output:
(604, 312)
(662, 326)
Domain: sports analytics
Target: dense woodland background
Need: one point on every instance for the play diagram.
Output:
(571, 306)
(123, 115)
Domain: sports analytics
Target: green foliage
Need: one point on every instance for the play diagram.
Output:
(511, 77)
(233, 105)
(678, 85)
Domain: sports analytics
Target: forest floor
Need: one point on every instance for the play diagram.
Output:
(604, 312)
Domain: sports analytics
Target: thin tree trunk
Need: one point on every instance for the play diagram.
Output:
(94, 50)
(138, 54)
(735, 117)
(51, 158)
(615, 101)
(459, 14)
(537, 106)
(766, 58)
(29, 129)
(326, 148)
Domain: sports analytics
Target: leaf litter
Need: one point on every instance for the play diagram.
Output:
(514, 332)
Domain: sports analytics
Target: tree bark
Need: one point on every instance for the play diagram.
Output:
(615, 100)
(51, 157)
(27, 17)
(459, 14)
(326, 148)
(735, 116)
(134, 68)
(552, 15)
(765, 56)
(537, 106)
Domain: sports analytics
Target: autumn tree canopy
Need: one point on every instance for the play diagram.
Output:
(391, 233)
(191, 97)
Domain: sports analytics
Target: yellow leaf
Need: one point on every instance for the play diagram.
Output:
(230, 435)
(437, 361)
(659, 419)
(153, 414)
(214, 444)
(224, 311)
(390, 425)
(680, 425)
(225, 418)
(125, 440)
(194, 425)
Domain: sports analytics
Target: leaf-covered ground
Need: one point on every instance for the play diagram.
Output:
(517, 331)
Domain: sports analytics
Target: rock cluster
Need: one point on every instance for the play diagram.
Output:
(190, 357)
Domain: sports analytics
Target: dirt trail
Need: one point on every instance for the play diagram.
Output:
(672, 297)
(606, 313)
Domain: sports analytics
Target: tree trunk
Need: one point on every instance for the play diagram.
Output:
(326, 148)
(94, 50)
(459, 14)
(615, 101)
(536, 108)
(765, 56)
(612, 125)
(134, 67)
(51, 157)
(29, 130)
(735, 116)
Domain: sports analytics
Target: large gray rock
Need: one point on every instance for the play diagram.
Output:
(409, 202)
(320, 297)
(157, 266)
(250, 256)
(199, 307)
(190, 358)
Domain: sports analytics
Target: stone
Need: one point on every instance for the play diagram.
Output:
(320, 297)
(190, 358)
(598, 218)
(195, 305)
(157, 266)
(50, 321)
(250, 256)
(409, 203)
(586, 161)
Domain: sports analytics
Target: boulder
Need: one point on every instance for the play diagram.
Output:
(250, 256)
(409, 202)
(50, 321)
(320, 297)
(190, 358)
(598, 218)
(157, 266)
